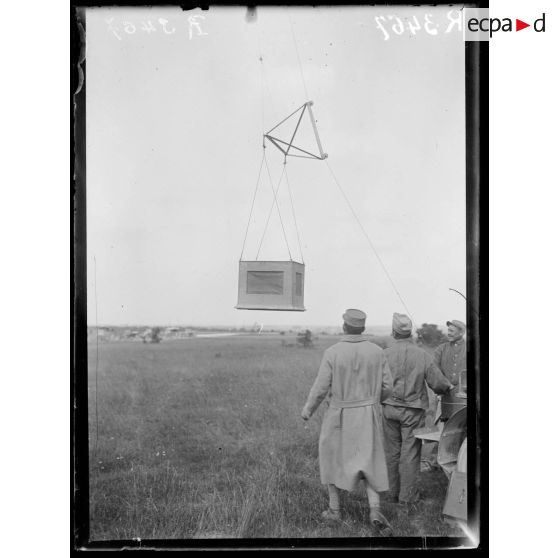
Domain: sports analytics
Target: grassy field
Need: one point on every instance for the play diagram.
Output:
(202, 438)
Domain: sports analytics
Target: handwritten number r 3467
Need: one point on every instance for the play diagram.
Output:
(414, 25)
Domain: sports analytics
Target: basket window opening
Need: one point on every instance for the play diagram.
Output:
(264, 282)
(298, 284)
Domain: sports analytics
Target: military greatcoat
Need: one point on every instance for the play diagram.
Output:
(354, 376)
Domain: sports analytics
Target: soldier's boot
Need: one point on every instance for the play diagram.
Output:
(331, 515)
(379, 522)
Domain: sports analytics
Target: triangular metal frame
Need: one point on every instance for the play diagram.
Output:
(289, 145)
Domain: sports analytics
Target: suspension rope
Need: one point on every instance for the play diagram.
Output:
(298, 57)
(274, 202)
(252, 206)
(294, 214)
(262, 90)
(263, 79)
(271, 101)
(371, 244)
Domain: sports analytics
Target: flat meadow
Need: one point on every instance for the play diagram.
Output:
(202, 438)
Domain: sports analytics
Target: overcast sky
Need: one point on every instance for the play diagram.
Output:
(174, 144)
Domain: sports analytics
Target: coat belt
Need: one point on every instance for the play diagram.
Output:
(339, 404)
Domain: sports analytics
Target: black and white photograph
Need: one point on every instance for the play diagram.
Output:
(277, 293)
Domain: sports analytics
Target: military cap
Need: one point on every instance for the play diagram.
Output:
(401, 323)
(458, 324)
(354, 317)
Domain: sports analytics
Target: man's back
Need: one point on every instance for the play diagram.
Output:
(356, 375)
(354, 372)
(411, 367)
(357, 368)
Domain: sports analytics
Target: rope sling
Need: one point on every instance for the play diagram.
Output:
(287, 148)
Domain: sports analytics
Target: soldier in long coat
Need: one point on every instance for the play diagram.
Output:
(355, 378)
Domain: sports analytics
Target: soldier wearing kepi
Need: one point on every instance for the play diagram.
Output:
(451, 358)
(355, 376)
(412, 369)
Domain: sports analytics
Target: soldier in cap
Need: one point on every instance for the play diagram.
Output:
(451, 358)
(355, 377)
(412, 369)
